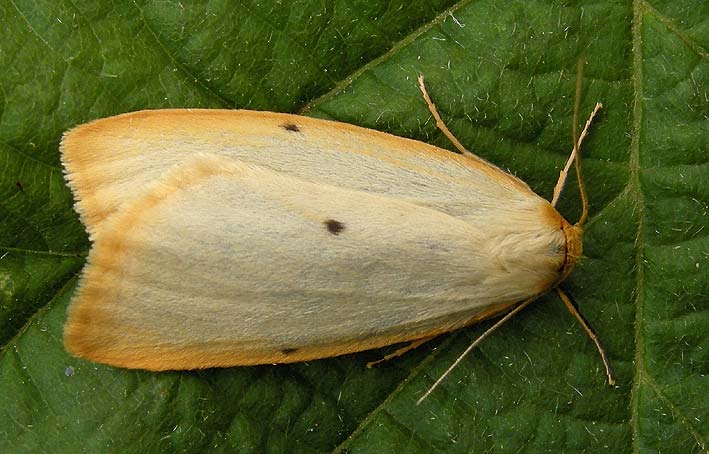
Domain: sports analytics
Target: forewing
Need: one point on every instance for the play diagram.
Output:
(225, 263)
(114, 160)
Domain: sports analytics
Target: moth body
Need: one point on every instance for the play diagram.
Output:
(225, 238)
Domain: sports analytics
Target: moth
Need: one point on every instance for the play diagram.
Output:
(234, 237)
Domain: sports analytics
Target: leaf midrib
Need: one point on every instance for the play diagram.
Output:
(639, 203)
(642, 377)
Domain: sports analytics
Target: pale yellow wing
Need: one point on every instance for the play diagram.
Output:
(111, 161)
(226, 263)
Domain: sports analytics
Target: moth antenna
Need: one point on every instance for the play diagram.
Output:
(575, 156)
(569, 303)
(572, 158)
(439, 121)
(475, 343)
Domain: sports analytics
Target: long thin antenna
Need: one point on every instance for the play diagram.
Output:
(574, 137)
(477, 341)
(568, 302)
(572, 157)
(575, 154)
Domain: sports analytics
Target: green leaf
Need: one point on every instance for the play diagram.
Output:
(503, 76)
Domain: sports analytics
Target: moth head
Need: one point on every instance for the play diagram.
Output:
(574, 246)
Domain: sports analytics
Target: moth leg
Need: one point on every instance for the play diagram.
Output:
(399, 352)
(439, 121)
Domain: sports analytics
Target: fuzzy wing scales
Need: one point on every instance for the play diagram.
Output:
(224, 263)
(111, 161)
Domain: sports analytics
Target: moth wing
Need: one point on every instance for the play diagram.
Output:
(226, 263)
(113, 160)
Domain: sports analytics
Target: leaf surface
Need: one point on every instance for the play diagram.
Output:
(503, 76)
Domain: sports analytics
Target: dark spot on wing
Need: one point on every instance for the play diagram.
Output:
(20, 186)
(334, 227)
(288, 351)
(292, 127)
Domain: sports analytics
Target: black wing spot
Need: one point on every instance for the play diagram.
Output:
(291, 127)
(334, 227)
(20, 187)
(288, 351)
